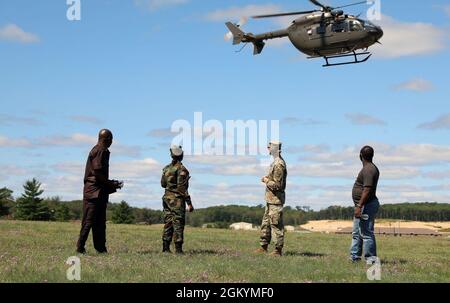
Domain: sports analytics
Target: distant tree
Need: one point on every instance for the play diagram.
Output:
(149, 216)
(29, 206)
(6, 201)
(54, 204)
(123, 214)
(62, 212)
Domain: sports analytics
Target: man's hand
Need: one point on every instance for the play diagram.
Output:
(190, 208)
(264, 179)
(118, 184)
(358, 212)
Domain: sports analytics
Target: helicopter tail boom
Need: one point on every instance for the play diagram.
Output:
(258, 40)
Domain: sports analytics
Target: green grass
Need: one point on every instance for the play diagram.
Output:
(36, 252)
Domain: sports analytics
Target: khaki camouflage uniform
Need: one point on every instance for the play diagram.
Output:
(175, 180)
(275, 199)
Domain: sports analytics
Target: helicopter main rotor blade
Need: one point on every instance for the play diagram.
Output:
(357, 3)
(326, 8)
(283, 14)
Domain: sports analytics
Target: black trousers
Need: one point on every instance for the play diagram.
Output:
(94, 217)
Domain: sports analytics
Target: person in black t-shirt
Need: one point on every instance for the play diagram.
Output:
(366, 207)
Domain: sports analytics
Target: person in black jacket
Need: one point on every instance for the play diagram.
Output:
(97, 188)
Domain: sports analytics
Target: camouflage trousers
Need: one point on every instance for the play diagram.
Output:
(273, 223)
(174, 220)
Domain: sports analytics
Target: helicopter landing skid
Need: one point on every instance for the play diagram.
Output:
(354, 54)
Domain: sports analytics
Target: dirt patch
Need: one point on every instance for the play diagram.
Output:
(333, 226)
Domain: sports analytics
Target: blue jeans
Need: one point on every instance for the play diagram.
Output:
(363, 235)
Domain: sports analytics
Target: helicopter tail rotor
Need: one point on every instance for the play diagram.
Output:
(241, 37)
(235, 32)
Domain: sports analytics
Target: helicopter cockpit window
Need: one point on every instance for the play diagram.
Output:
(339, 27)
(355, 26)
(368, 24)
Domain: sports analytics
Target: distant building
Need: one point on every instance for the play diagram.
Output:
(241, 226)
(289, 228)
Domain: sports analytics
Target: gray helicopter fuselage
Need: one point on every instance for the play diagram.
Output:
(320, 34)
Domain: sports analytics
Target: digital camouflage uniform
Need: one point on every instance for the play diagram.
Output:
(175, 180)
(275, 199)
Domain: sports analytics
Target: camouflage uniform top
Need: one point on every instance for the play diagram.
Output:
(175, 179)
(276, 185)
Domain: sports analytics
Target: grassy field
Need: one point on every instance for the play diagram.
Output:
(36, 252)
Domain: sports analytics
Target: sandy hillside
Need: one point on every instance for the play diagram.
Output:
(334, 226)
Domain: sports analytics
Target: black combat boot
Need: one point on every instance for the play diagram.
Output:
(81, 250)
(166, 247)
(179, 248)
(278, 252)
(262, 249)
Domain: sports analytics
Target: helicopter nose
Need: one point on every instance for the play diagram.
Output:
(376, 33)
(380, 33)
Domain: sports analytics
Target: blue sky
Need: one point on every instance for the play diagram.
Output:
(137, 66)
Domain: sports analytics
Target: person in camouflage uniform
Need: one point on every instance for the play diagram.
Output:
(275, 198)
(175, 181)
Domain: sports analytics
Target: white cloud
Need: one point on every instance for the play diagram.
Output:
(86, 119)
(307, 148)
(140, 177)
(222, 160)
(363, 119)
(301, 121)
(158, 4)
(404, 155)
(447, 10)
(235, 13)
(12, 32)
(408, 38)
(349, 171)
(9, 143)
(132, 169)
(12, 170)
(68, 187)
(135, 169)
(76, 139)
(443, 122)
(226, 165)
(316, 148)
(162, 133)
(398, 164)
(417, 85)
(83, 140)
(14, 120)
(205, 195)
(132, 151)
(438, 175)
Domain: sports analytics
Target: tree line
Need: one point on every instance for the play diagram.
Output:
(31, 206)
(422, 211)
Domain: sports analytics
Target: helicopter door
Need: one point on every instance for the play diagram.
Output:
(318, 32)
(340, 32)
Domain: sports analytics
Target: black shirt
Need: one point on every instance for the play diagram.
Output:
(367, 177)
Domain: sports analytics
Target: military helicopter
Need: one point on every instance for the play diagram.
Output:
(326, 32)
